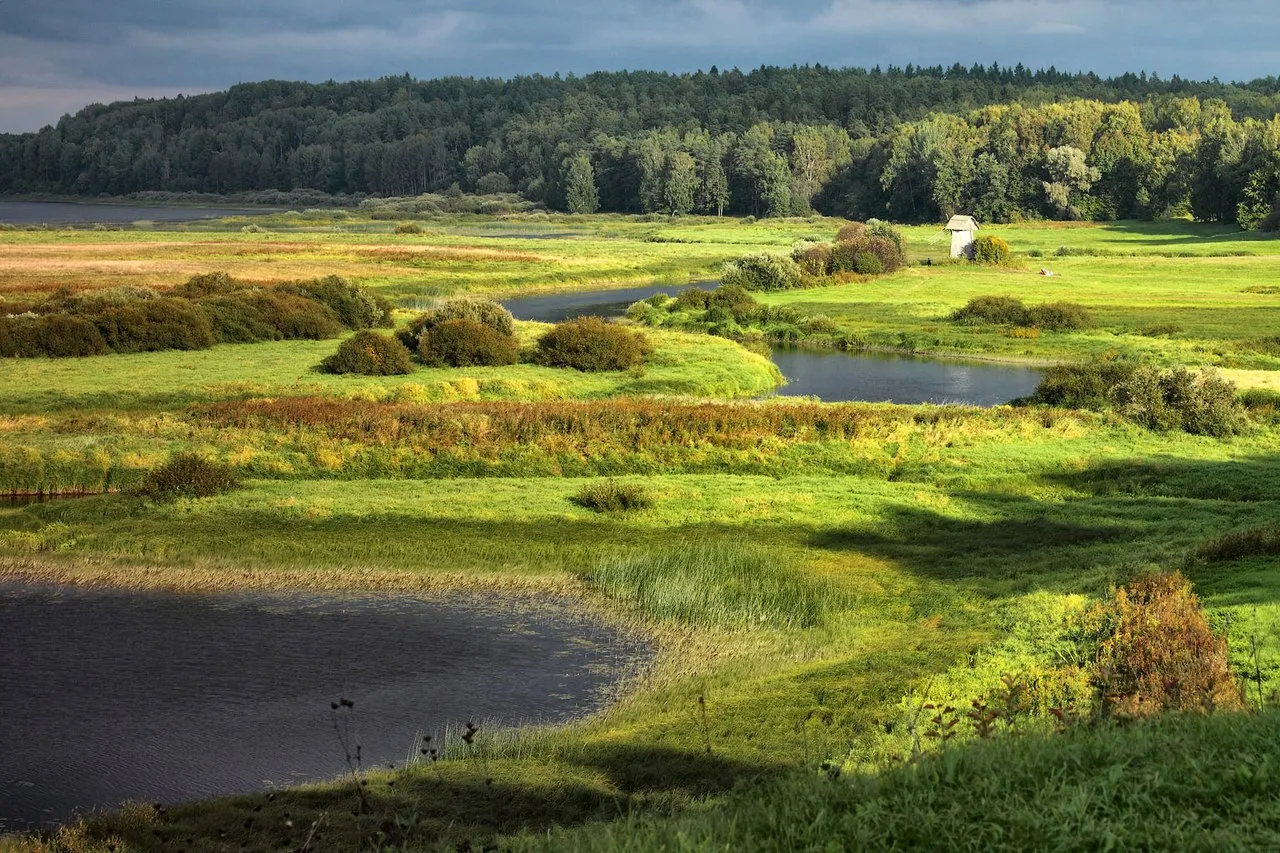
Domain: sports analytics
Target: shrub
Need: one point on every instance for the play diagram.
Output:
(1238, 544)
(762, 271)
(1081, 386)
(187, 475)
(880, 228)
(693, 299)
(1059, 317)
(841, 257)
(238, 319)
(466, 343)
(888, 250)
(590, 343)
(612, 496)
(852, 232)
(1000, 310)
(735, 300)
(819, 324)
(1198, 403)
(408, 228)
(355, 307)
(1160, 654)
(369, 354)
(207, 284)
(813, 258)
(295, 317)
(990, 249)
(865, 263)
(480, 311)
(152, 325)
(67, 336)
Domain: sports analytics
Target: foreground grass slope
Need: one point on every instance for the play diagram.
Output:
(1178, 783)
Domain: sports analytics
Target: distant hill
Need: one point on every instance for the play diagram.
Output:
(772, 141)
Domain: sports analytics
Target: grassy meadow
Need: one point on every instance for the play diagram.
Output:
(811, 574)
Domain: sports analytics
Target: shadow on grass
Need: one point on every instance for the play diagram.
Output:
(467, 806)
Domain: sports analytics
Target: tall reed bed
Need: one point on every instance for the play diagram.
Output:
(634, 424)
(720, 584)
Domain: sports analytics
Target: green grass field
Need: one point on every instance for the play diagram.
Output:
(810, 574)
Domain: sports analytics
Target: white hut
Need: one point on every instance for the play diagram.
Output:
(963, 230)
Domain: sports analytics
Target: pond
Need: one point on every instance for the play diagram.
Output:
(836, 376)
(84, 213)
(158, 697)
(833, 376)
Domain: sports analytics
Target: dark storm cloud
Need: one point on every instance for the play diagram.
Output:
(56, 55)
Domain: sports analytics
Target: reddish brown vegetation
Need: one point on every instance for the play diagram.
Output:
(1161, 654)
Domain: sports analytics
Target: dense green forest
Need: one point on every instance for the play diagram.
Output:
(911, 144)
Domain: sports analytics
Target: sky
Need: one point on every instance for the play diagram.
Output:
(57, 56)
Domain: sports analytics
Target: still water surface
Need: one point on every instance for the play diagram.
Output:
(158, 697)
(830, 375)
(73, 213)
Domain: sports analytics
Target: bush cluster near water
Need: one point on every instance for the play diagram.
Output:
(592, 344)
(866, 249)
(463, 332)
(731, 312)
(206, 310)
(1010, 311)
(1200, 403)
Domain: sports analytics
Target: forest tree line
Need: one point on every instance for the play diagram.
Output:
(909, 144)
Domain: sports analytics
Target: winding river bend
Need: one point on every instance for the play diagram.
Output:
(158, 697)
(830, 375)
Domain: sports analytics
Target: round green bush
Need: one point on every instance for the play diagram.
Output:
(1059, 317)
(187, 475)
(355, 307)
(591, 344)
(990, 249)
(480, 311)
(762, 271)
(865, 263)
(999, 310)
(466, 343)
(369, 354)
(852, 232)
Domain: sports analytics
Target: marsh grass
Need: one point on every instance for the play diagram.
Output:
(720, 583)
(613, 496)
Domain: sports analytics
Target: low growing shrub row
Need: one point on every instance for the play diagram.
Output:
(206, 310)
(1010, 311)
(1198, 403)
(731, 312)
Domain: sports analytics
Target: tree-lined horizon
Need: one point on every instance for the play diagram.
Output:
(913, 144)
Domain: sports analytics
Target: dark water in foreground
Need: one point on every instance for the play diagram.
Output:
(830, 375)
(106, 696)
(71, 213)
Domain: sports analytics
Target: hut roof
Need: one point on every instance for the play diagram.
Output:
(962, 223)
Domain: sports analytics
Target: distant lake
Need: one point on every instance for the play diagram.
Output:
(159, 697)
(87, 213)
